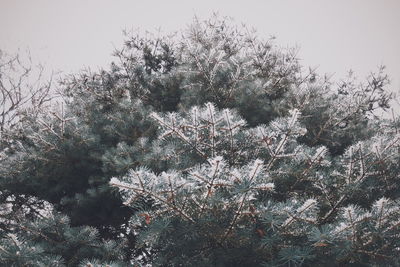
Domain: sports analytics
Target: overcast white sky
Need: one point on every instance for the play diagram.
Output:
(335, 35)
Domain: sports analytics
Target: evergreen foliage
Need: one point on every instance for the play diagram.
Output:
(213, 148)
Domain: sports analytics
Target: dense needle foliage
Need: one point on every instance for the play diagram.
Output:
(208, 148)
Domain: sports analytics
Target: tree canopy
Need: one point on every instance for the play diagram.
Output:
(209, 147)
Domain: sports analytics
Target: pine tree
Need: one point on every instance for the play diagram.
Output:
(236, 196)
(209, 148)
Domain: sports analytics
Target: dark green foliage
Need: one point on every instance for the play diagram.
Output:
(52, 242)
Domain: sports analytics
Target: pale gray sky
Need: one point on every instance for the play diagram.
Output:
(335, 35)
